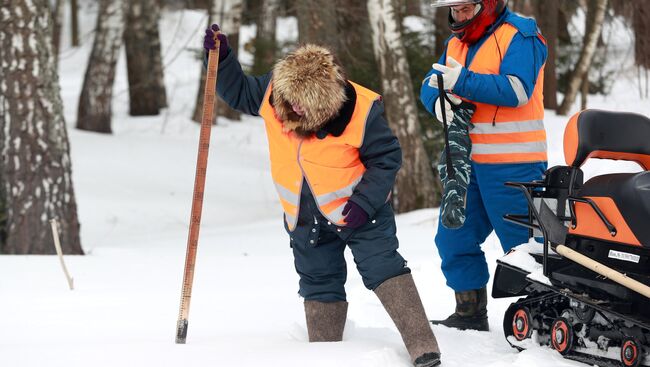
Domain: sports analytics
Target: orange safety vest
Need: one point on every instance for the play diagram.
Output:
(331, 166)
(503, 134)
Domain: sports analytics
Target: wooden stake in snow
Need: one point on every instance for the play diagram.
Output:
(199, 186)
(57, 244)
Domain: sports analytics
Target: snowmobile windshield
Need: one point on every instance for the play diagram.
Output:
(442, 3)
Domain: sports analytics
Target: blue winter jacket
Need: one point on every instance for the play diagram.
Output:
(524, 59)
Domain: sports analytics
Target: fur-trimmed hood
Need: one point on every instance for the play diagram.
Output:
(310, 77)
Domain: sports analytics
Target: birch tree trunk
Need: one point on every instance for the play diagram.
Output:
(94, 113)
(143, 60)
(414, 188)
(592, 34)
(226, 13)
(265, 42)
(35, 170)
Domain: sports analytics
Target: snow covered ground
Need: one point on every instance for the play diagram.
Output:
(134, 192)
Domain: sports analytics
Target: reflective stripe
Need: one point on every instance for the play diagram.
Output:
(510, 157)
(342, 193)
(507, 127)
(336, 216)
(539, 135)
(519, 89)
(290, 202)
(286, 194)
(532, 147)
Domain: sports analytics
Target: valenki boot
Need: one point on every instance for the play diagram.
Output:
(402, 302)
(325, 320)
(471, 311)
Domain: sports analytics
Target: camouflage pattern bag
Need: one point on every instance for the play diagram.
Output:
(452, 208)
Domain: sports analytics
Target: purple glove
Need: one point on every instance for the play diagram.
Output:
(210, 44)
(355, 216)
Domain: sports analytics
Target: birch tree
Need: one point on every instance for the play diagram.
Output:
(35, 169)
(592, 34)
(414, 188)
(143, 58)
(94, 112)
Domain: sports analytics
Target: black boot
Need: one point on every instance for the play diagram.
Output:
(471, 311)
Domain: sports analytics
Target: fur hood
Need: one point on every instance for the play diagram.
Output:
(310, 77)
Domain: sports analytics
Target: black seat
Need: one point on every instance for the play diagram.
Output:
(631, 193)
(607, 135)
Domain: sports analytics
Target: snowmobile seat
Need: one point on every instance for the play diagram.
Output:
(624, 198)
(607, 135)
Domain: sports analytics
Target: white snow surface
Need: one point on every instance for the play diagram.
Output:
(134, 191)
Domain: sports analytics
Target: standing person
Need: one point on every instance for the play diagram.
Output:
(495, 60)
(334, 162)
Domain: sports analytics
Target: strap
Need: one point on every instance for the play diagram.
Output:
(441, 89)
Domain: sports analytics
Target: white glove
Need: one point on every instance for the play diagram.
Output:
(450, 74)
(449, 113)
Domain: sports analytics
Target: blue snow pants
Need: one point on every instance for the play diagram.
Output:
(488, 200)
(322, 267)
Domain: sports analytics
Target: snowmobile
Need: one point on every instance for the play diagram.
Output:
(585, 289)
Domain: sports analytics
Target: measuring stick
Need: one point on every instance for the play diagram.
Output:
(199, 185)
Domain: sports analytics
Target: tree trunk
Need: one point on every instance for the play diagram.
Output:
(441, 31)
(584, 93)
(641, 23)
(74, 19)
(143, 60)
(265, 42)
(407, 8)
(226, 13)
(414, 187)
(355, 37)
(57, 18)
(317, 23)
(524, 7)
(413, 8)
(592, 34)
(94, 113)
(547, 14)
(35, 174)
